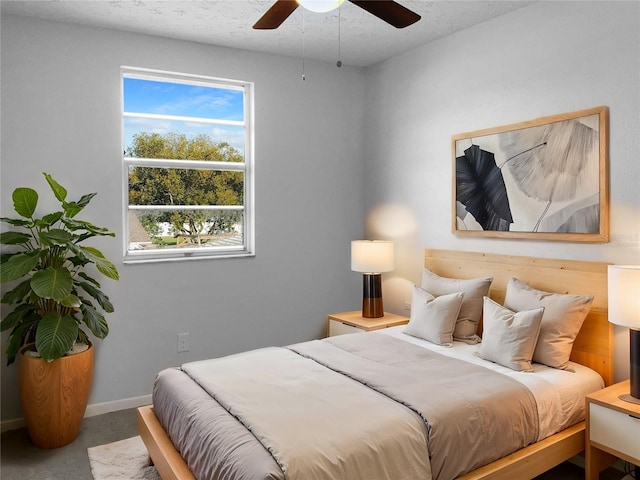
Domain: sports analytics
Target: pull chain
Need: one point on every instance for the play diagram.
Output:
(339, 62)
(303, 52)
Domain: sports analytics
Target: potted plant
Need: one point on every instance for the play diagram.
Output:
(54, 299)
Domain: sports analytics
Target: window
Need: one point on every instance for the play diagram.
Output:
(188, 148)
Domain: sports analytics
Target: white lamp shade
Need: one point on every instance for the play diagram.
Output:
(320, 6)
(624, 295)
(372, 256)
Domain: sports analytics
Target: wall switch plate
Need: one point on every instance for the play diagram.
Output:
(183, 342)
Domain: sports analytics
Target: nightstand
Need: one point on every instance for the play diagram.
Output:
(613, 429)
(353, 322)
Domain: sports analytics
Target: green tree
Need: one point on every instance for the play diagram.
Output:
(188, 187)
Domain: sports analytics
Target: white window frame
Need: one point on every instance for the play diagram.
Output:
(175, 254)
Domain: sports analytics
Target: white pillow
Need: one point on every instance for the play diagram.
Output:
(474, 290)
(561, 322)
(433, 318)
(509, 338)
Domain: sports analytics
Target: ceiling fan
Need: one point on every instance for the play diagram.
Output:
(391, 12)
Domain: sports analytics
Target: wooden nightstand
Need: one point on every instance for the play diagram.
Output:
(613, 429)
(353, 322)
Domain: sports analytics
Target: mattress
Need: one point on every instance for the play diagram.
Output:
(181, 404)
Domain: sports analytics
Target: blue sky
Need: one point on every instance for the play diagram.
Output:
(168, 98)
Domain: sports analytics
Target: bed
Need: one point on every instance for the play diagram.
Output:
(591, 348)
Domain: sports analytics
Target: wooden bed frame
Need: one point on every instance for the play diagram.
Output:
(592, 348)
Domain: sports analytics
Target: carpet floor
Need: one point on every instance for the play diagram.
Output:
(21, 460)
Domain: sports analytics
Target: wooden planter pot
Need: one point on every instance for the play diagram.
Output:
(54, 396)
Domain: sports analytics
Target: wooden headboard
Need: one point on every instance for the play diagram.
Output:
(593, 346)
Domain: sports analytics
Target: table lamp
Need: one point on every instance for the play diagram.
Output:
(371, 258)
(624, 310)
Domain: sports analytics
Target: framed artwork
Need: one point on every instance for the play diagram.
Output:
(544, 179)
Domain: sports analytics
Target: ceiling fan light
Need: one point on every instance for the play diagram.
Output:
(320, 6)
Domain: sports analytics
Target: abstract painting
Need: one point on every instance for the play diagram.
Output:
(543, 179)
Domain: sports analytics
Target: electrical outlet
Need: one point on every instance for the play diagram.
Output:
(407, 305)
(183, 342)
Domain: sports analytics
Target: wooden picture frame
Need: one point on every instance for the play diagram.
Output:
(543, 179)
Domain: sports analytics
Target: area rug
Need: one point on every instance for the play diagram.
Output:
(123, 460)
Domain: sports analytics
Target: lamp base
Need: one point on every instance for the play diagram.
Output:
(634, 367)
(628, 398)
(372, 295)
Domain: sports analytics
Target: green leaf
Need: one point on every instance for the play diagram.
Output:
(71, 301)
(78, 260)
(89, 279)
(52, 283)
(17, 340)
(11, 320)
(44, 241)
(17, 222)
(84, 236)
(15, 317)
(80, 257)
(82, 337)
(85, 199)
(71, 209)
(58, 190)
(108, 269)
(57, 236)
(14, 238)
(55, 335)
(18, 293)
(103, 265)
(95, 321)
(18, 266)
(25, 201)
(74, 225)
(49, 219)
(100, 297)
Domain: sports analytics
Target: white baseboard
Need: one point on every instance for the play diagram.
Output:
(117, 405)
(12, 424)
(91, 411)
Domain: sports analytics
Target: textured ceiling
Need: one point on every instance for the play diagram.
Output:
(361, 38)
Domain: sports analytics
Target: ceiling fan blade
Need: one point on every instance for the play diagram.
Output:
(277, 14)
(391, 12)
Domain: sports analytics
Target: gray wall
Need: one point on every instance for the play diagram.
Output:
(386, 148)
(544, 59)
(61, 113)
